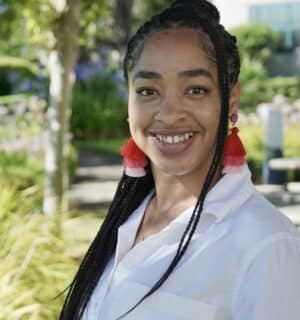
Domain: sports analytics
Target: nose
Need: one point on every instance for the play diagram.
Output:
(170, 111)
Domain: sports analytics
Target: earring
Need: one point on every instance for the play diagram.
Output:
(234, 151)
(134, 160)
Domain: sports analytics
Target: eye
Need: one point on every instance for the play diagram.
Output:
(196, 90)
(146, 92)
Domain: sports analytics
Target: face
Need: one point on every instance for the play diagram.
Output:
(174, 103)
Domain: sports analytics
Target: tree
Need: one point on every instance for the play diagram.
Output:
(123, 20)
(48, 30)
(61, 59)
(256, 42)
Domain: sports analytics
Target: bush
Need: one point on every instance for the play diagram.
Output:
(252, 137)
(257, 87)
(253, 78)
(98, 110)
(256, 42)
(287, 86)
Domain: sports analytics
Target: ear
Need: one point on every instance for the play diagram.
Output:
(234, 99)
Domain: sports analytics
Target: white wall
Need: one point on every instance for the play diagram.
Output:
(235, 12)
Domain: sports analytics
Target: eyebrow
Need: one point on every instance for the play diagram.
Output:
(196, 73)
(144, 74)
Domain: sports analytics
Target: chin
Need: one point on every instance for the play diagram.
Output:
(176, 171)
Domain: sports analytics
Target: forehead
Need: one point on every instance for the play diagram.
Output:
(175, 49)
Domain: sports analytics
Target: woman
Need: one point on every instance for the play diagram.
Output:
(187, 236)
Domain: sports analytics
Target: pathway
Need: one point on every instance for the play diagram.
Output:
(98, 174)
(95, 181)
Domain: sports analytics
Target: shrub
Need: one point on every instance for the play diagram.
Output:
(257, 87)
(98, 110)
(287, 86)
(252, 137)
(256, 42)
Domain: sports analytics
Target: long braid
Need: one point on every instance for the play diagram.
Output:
(129, 194)
(221, 47)
(222, 132)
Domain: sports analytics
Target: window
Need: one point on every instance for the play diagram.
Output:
(282, 17)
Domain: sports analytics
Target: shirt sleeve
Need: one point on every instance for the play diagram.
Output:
(270, 285)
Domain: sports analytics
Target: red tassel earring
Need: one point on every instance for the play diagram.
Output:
(134, 161)
(234, 151)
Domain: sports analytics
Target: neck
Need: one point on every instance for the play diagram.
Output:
(179, 191)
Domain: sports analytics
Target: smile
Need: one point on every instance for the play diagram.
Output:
(174, 138)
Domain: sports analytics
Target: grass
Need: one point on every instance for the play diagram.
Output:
(39, 255)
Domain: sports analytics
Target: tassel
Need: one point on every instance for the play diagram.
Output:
(234, 153)
(134, 161)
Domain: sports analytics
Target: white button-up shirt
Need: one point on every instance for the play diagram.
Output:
(243, 263)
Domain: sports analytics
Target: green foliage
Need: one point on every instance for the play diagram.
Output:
(287, 86)
(73, 162)
(20, 171)
(98, 110)
(257, 87)
(112, 146)
(252, 137)
(256, 42)
(19, 64)
(253, 78)
(96, 21)
(145, 9)
(292, 141)
(34, 266)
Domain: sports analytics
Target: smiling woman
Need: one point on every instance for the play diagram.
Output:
(186, 236)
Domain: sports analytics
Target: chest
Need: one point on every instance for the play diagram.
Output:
(162, 305)
(189, 293)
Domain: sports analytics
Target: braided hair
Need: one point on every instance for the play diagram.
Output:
(220, 46)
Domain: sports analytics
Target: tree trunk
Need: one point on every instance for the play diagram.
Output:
(61, 60)
(123, 20)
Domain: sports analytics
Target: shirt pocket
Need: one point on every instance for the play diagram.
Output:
(163, 305)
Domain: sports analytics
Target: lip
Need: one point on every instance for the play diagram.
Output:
(176, 148)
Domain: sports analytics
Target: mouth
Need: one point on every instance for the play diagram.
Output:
(174, 138)
(173, 143)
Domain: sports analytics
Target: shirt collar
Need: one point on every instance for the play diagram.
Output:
(229, 193)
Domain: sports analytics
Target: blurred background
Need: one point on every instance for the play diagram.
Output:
(63, 110)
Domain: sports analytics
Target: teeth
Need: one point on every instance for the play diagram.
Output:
(169, 139)
(175, 139)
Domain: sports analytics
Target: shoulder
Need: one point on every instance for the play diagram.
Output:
(258, 220)
(257, 227)
(269, 264)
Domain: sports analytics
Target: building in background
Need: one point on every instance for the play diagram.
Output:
(282, 16)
